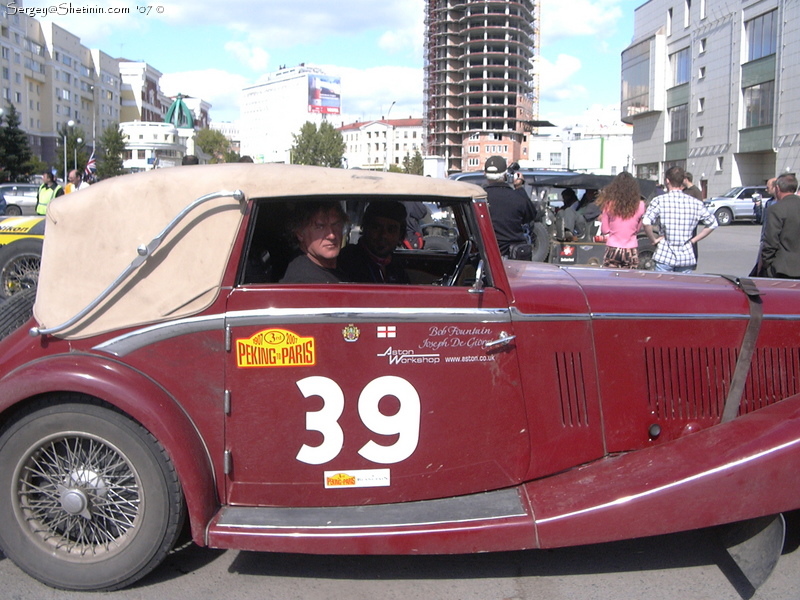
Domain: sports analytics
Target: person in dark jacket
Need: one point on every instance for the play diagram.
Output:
(372, 259)
(511, 211)
(780, 250)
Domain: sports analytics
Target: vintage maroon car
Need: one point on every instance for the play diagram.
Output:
(489, 405)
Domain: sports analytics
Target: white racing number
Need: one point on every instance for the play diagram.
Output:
(404, 423)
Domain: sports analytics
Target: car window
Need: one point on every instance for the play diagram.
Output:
(445, 228)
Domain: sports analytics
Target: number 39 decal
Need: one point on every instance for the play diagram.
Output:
(326, 420)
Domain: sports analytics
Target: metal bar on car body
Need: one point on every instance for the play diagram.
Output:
(144, 252)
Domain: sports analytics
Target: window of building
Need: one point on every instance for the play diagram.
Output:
(473, 162)
(701, 104)
(701, 73)
(687, 12)
(681, 62)
(702, 9)
(636, 79)
(761, 35)
(758, 104)
(678, 123)
(669, 21)
(700, 132)
(555, 159)
(702, 45)
(720, 163)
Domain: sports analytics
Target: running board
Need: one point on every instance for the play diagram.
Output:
(485, 522)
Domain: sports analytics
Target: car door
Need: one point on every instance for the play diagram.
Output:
(370, 393)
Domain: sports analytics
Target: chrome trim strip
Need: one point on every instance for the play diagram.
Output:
(140, 338)
(399, 315)
(669, 316)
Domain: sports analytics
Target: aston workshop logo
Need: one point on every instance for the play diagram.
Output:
(276, 348)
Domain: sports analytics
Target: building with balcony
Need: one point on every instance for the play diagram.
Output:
(152, 145)
(376, 145)
(479, 81)
(706, 86)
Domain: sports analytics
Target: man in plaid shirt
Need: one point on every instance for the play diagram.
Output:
(678, 215)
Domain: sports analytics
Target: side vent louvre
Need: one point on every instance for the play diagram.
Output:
(691, 384)
(688, 383)
(569, 370)
(774, 375)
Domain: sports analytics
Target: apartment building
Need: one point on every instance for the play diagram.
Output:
(479, 80)
(55, 82)
(376, 145)
(706, 85)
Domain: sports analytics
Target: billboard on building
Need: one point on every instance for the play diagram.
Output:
(324, 94)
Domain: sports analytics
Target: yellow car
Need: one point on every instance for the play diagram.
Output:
(20, 253)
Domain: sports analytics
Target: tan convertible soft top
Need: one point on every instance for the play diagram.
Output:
(92, 236)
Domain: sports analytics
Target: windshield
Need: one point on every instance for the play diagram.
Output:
(732, 193)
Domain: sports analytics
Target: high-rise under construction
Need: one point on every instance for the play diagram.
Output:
(480, 88)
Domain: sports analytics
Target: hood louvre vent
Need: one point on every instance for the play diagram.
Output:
(688, 384)
(691, 384)
(774, 375)
(572, 388)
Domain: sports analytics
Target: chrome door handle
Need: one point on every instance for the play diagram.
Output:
(501, 341)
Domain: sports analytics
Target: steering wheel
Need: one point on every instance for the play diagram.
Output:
(461, 262)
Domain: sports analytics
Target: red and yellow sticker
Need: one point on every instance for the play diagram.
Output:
(276, 348)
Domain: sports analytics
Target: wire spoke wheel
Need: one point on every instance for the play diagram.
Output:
(22, 274)
(94, 502)
(78, 495)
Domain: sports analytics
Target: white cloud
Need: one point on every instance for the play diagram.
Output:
(368, 93)
(578, 18)
(557, 80)
(254, 57)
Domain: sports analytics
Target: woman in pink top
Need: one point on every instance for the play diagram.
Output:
(620, 220)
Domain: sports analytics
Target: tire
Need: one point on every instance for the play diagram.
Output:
(19, 266)
(540, 241)
(724, 216)
(12, 210)
(646, 262)
(92, 502)
(16, 311)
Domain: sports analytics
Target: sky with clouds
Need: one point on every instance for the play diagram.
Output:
(212, 49)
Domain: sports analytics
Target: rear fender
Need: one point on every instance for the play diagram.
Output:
(139, 397)
(739, 470)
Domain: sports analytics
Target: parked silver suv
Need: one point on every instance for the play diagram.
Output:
(738, 204)
(20, 198)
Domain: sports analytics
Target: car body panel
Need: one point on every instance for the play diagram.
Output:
(526, 405)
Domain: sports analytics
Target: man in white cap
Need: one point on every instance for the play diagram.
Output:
(510, 210)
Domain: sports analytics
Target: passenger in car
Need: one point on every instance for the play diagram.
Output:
(318, 228)
(371, 260)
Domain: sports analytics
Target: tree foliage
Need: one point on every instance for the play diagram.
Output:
(15, 151)
(414, 165)
(323, 147)
(111, 146)
(213, 143)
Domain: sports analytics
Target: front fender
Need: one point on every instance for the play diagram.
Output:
(138, 396)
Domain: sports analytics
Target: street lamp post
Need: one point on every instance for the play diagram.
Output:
(386, 152)
(75, 153)
(70, 123)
